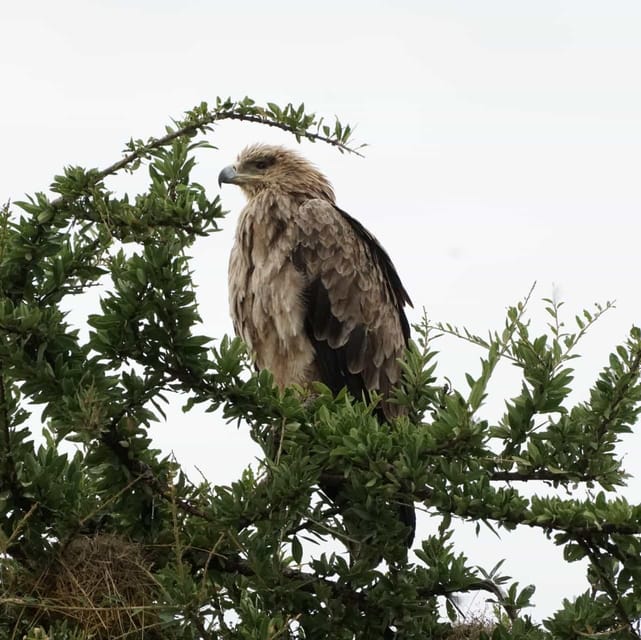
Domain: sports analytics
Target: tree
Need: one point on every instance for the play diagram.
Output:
(116, 542)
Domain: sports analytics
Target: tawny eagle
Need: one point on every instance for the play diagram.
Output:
(312, 292)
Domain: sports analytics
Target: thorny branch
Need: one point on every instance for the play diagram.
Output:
(204, 124)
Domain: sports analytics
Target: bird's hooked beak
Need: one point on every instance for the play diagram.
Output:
(228, 174)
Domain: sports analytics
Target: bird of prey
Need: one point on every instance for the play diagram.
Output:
(312, 293)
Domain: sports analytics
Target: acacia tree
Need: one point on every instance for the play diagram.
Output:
(116, 542)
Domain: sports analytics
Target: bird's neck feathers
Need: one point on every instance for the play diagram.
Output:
(296, 187)
(308, 186)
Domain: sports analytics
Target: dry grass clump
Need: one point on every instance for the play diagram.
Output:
(471, 628)
(102, 585)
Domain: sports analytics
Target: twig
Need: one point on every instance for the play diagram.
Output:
(608, 586)
(145, 473)
(8, 473)
(541, 474)
(611, 415)
(20, 525)
(279, 125)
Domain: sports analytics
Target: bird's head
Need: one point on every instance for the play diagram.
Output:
(263, 167)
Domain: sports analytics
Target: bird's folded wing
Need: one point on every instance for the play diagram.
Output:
(353, 301)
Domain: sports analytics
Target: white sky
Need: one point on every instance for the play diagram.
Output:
(505, 143)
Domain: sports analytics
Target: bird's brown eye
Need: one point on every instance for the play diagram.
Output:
(261, 164)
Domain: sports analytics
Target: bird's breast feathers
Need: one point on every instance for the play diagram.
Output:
(265, 289)
(308, 295)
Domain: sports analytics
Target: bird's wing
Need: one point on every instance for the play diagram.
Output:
(353, 301)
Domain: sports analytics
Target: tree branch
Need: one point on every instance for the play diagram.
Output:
(8, 472)
(634, 369)
(203, 123)
(608, 585)
(541, 475)
(316, 137)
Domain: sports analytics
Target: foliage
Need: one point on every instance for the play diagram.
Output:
(243, 561)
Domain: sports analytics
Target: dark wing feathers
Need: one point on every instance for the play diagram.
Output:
(381, 258)
(353, 302)
(322, 326)
(356, 349)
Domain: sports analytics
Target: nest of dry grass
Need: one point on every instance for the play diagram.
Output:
(102, 585)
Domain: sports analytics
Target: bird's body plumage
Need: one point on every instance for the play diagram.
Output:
(312, 292)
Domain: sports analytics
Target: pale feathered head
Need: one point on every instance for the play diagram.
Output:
(263, 167)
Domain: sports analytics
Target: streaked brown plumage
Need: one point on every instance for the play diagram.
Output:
(311, 291)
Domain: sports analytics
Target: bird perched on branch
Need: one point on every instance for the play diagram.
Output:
(312, 292)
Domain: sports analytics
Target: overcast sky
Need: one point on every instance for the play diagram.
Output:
(505, 148)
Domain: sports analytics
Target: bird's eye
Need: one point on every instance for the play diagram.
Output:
(261, 164)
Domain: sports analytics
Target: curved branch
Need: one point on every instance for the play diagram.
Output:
(203, 123)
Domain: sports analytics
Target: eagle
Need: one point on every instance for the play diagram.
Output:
(312, 292)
